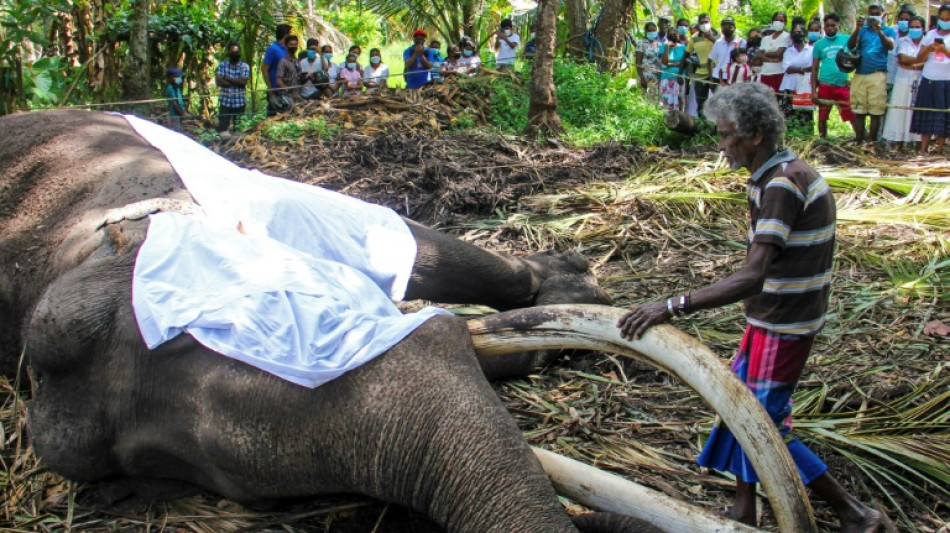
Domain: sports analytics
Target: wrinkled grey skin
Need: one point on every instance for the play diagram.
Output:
(419, 426)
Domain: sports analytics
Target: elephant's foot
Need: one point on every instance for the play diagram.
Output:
(548, 264)
(565, 278)
(571, 289)
(866, 521)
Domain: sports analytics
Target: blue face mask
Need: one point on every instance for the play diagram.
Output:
(177, 81)
(328, 56)
(652, 35)
(375, 60)
(351, 66)
(814, 36)
(682, 30)
(943, 24)
(311, 55)
(467, 53)
(903, 25)
(915, 33)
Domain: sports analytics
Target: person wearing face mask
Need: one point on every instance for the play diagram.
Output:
(739, 71)
(470, 60)
(663, 28)
(418, 60)
(310, 65)
(829, 86)
(772, 52)
(231, 77)
(269, 64)
(701, 45)
(176, 101)
(376, 74)
(351, 76)
(671, 86)
(796, 84)
(332, 69)
(934, 89)
(288, 70)
(721, 54)
(903, 24)
(869, 85)
(898, 118)
(648, 60)
(452, 66)
(506, 42)
(814, 32)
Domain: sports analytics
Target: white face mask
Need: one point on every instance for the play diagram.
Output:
(778, 25)
(508, 33)
(705, 27)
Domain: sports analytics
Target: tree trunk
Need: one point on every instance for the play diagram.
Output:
(577, 21)
(847, 10)
(611, 30)
(542, 109)
(136, 75)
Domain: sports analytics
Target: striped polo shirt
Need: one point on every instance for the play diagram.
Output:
(791, 207)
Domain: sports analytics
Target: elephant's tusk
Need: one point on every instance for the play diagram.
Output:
(593, 327)
(609, 492)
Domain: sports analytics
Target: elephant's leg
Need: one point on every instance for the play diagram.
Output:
(449, 270)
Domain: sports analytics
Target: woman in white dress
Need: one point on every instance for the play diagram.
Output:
(897, 120)
(797, 62)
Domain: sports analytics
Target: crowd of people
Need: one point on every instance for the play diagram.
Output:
(294, 73)
(892, 84)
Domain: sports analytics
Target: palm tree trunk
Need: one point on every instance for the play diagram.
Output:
(611, 29)
(136, 79)
(577, 21)
(542, 109)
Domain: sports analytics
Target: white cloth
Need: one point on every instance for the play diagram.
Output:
(796, 59)
(897, 121)
(506, 54)
(772, 44)
(937, 67)
(892, 61)
(303, 293)
(721, 55)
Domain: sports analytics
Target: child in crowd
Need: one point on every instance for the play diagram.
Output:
(176, 102)
(739, 69)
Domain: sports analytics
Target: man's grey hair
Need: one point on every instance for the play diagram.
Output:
(752, 108)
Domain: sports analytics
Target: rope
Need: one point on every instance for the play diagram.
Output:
(644, 67)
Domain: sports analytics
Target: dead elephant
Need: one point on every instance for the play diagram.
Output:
(418, 426)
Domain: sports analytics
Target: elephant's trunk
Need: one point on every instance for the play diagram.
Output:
(592, 327)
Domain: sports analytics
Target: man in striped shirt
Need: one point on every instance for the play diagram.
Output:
(784, 285)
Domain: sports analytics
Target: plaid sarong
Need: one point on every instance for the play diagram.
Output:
(770, 364)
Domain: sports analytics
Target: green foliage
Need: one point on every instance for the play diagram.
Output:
(296, 131)
(361, 26)
(593, 107)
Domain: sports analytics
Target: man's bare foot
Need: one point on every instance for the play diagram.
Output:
(867, 521)
(732, 514)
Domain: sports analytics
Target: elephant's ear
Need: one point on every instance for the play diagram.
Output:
(593, 327)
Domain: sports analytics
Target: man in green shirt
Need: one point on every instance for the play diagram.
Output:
(176, 103)
(701, 45)
(828, 83)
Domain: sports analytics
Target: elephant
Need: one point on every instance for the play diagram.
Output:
(419, 426)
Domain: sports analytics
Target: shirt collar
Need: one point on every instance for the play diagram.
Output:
(783, 156)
